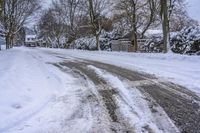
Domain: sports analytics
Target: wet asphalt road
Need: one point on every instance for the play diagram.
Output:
(181, 105)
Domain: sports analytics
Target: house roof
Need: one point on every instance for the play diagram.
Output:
(153, 32)
(31, 36)
(150, 32)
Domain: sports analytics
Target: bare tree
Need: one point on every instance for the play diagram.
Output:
(73, 12)
(96, 9)
(180, 20)
(149, 14)
(58, 27)
(71, 9)
(178, 15)
(45, 26)
(140, 14)
(52, 27)
(14, 15)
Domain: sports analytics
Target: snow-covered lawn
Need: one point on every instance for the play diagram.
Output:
(180, 69)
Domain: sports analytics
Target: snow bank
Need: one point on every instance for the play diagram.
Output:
(26, 86)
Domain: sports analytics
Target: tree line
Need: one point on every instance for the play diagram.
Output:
(13, 16)
(72, 19)
(68, 20)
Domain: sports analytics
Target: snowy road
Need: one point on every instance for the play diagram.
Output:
(92, 96)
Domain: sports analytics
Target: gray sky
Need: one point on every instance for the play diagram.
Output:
(46, 3)
(194, 9)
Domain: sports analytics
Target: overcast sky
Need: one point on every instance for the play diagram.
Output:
(46, 3)
(194, 9)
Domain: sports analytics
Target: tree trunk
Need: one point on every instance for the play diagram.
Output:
(94, 22)
(134, 27)
(7, 41)
(11, 41)
(58, 42)
(97, 42)
(165, 26)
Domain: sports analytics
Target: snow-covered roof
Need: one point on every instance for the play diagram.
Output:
(153, 32)
(31, 36)
(150, 32)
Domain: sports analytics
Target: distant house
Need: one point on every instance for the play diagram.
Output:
(31, 40)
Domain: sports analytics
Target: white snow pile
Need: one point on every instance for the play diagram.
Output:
(37, 97)
(26, 86)
(180, 69)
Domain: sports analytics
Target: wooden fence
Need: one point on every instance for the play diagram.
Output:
(126, 44)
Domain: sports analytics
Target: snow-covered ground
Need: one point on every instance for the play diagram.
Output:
(35, 96)
(180, 69)
(28, 86)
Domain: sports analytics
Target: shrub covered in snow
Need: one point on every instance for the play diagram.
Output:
(113, 35)
(186, 41)
(89, 43)
(152, 45)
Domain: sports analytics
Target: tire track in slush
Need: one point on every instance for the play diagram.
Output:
(106, 93)
(180, 104)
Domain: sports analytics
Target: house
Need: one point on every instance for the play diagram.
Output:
(31, 40)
